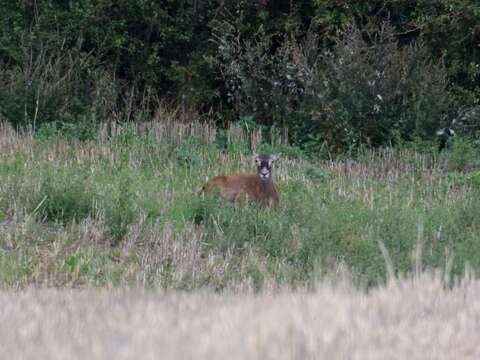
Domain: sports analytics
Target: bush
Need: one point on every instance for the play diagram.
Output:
(475, 180)
(59, 59)
(365, 90)
(52, 84)
(463, 154)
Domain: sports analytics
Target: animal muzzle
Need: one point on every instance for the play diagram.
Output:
(264, 173)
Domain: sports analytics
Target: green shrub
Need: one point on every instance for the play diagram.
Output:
(55, 85)
(463, 153)
(366, 90)
(187, 154)
(64, 197)
(475, 180)
(80, 129)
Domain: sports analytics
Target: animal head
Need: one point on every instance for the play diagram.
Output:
(264, 166)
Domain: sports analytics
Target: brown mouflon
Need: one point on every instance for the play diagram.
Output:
(258, 187)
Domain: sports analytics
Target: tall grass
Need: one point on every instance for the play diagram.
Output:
(414, 318)
(123, 210)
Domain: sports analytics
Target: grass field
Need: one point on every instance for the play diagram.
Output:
(123, 210)
(107, 251)
(409, 319)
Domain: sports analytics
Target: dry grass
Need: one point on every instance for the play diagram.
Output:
(123, 211)
(414, 319)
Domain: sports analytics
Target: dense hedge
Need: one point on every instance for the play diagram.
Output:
(70, 62)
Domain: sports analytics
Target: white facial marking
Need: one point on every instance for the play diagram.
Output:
(264, 173)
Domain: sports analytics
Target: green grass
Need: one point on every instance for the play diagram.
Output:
(123, 210)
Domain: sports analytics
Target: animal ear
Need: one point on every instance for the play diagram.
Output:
(255, 157)
(275, 157)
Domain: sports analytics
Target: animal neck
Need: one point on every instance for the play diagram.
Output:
(266, 184)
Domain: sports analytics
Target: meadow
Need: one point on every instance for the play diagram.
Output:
(122, 210)
(107, 249)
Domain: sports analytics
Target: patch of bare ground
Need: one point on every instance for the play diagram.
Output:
(408, 319)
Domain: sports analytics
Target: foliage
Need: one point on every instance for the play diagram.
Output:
(86, 62)
(366, 90)
(464, 154)
(50, 83)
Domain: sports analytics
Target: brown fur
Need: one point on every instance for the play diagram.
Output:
(244, 187)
